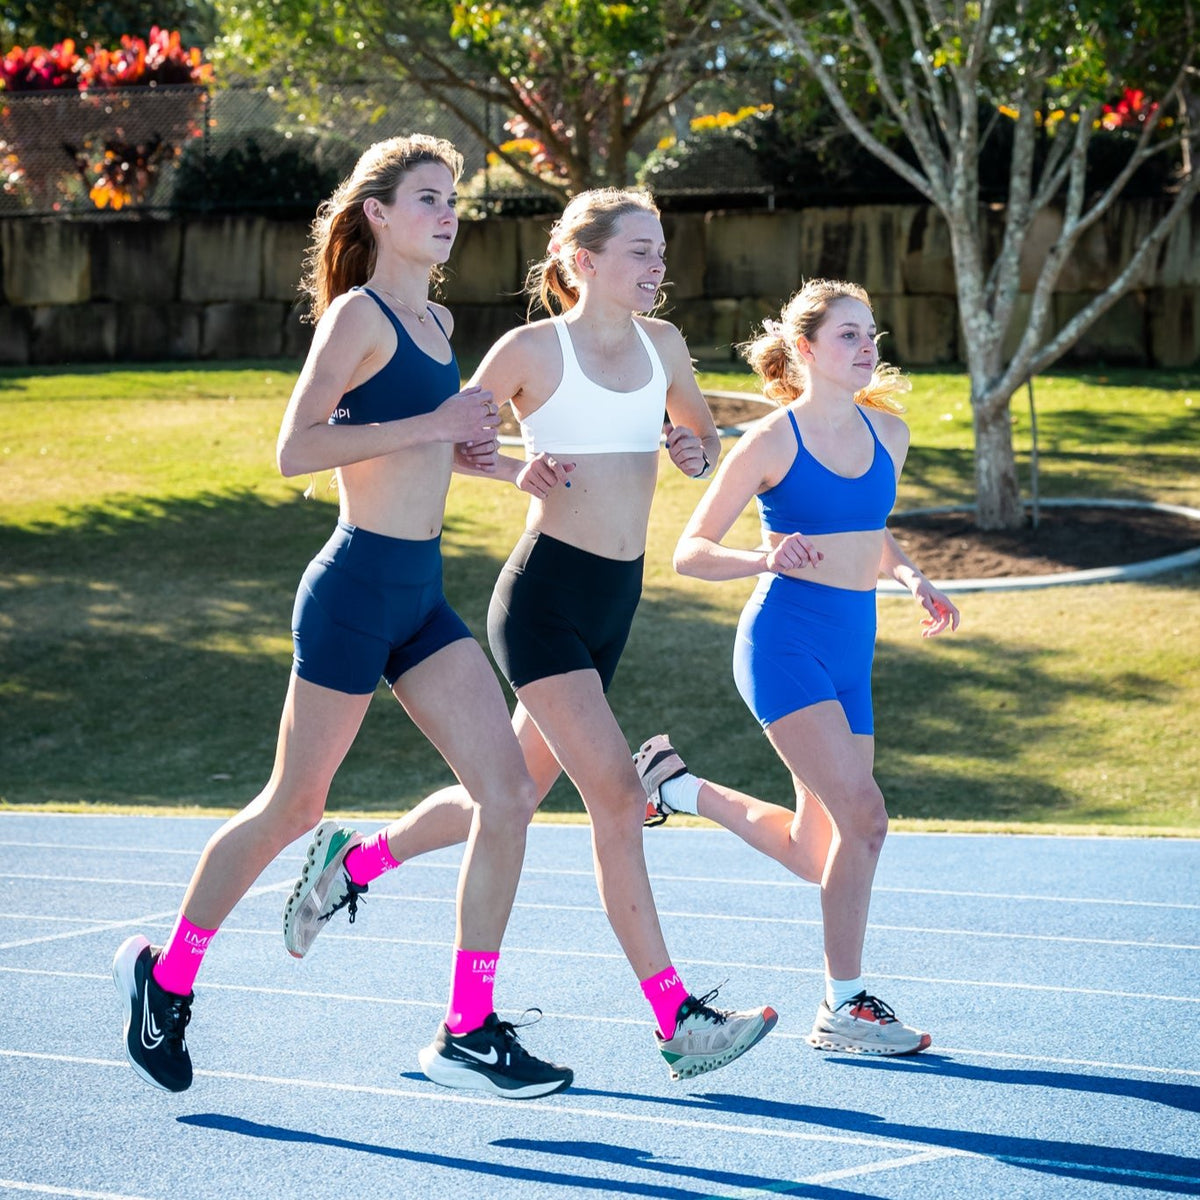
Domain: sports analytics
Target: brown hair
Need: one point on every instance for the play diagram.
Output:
(342, 249)
(587, 223)
(772, 354)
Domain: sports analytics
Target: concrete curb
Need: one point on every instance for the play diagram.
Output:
(1138, 570)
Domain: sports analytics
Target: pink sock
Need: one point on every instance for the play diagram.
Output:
(471, 989)
(181, 957)
(370, 858)
(665, 992)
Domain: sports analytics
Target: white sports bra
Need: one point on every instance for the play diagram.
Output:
(582, 417)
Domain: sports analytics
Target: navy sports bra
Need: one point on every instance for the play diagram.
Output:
(410, 383)
(811, 498)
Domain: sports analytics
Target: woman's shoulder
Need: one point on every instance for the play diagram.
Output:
(890, 428)
(662, 333)
(531, 339)
(443, 316)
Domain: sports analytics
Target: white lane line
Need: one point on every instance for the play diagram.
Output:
(719, 964)
(678, 914)
(782, 1187)
(690, 1122)
(149, 919)
(658, 877)
(596, 1019)
(44, 1189)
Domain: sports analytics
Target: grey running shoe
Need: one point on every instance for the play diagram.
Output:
(154, 1018)
(323, 888)
(865, 1025)
(707, 1038)
(491, 1059)
(656, 762)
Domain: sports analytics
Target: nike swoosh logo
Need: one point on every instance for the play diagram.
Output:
(151, 1034)
(489, 1059)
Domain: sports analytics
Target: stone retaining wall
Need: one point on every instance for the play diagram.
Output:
(224, 288)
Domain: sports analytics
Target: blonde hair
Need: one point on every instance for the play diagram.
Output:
(588, 223)
(773, 356)
(342, 248)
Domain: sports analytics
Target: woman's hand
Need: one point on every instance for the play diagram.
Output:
(468, 416)
(478, 457)
(540, 475)
(942, 614)
(686, 450)
(792, 553)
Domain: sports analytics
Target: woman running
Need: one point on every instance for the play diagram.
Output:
(379, 401)
(823, 471)
(589, 387)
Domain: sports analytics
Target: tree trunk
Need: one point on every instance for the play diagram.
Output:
(997, 496)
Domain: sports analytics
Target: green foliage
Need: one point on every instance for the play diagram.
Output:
(281, 173)
(45, 22)
(581, 77)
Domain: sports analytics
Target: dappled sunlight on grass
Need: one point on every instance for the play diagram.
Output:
(148, 585)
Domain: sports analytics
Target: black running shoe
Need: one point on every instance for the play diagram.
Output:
(491, 1059)
(154, 1019)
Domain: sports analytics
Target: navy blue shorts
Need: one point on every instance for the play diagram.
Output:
(556, 608)
(370, 606)
(799, 643)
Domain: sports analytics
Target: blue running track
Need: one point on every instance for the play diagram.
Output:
(1060, 978)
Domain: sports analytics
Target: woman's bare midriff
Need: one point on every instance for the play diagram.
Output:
(607, 507)
(851, 559)
(400, 495)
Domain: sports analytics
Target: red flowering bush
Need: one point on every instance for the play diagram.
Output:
(1133, 109)
(108, 135)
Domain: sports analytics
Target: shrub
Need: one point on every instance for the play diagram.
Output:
(262, 170)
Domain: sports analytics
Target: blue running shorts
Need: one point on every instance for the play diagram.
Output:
(799, 643)
(370, 606)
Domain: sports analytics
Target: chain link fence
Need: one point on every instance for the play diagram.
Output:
(127, 151)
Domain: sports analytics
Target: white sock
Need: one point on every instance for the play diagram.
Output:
(838, 991)
(682, 794)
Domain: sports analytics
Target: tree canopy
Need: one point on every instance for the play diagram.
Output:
(580, 79)
(48, 22)
(942, 92)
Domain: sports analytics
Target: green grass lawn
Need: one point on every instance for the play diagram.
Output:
(149, 553)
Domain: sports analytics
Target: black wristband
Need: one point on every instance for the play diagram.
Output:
(701, 473)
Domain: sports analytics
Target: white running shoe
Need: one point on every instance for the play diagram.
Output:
(656, 762)
(865, 1025)
(707, 1038)
(323, 888)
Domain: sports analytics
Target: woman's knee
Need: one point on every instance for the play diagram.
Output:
(862, 816)
(512, 800)
(290, 812)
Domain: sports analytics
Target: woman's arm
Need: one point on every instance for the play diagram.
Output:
(514, 369)
(346, 346)
(757, 462)
(692, 439)
(895, 564)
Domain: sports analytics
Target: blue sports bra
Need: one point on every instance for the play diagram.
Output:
(811, 498)
(408, 385)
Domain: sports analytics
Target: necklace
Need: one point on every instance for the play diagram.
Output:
(404, 304)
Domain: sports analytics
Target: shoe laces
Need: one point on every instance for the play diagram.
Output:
(699, 1006)
(507, 1032)
(176, 1014)
(349, 901)
(877, 1010)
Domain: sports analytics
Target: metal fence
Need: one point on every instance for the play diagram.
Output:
(128, 151)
